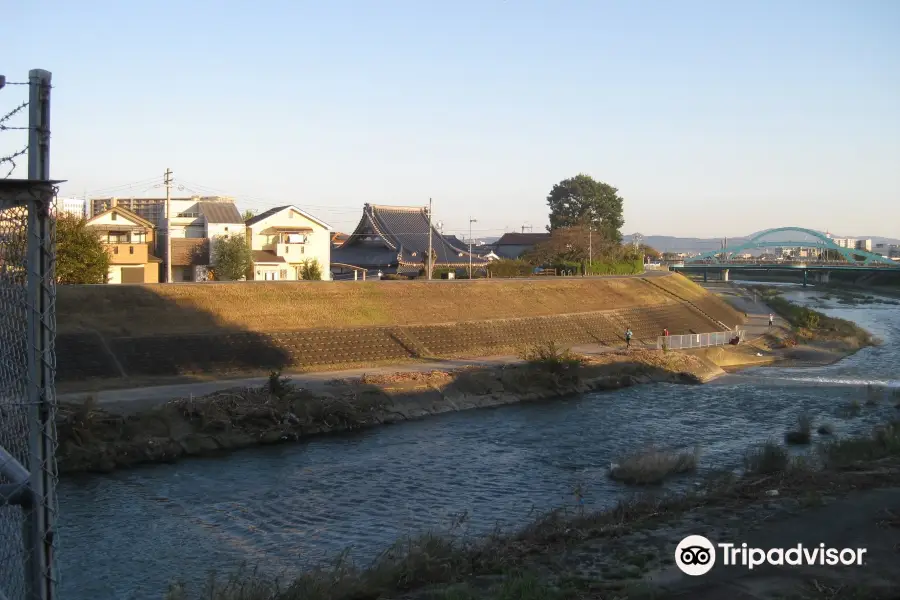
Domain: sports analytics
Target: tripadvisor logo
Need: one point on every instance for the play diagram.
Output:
(696, 555)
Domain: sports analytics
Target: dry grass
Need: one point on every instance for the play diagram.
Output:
(767, 459)
(803, 432)
(285, 306)
(653, 466)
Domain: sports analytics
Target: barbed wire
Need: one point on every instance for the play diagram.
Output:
(11, 159)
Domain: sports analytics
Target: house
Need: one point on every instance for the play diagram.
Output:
(480, 249)
(514, 245)
(283, 238)
(128, 239)
(194, 218)
(394, 239)
(338, 238)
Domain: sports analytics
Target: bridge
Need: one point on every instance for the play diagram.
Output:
(827, 257)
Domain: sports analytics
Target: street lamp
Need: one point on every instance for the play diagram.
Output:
(471, 220)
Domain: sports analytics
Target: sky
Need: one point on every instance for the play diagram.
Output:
(711, 118)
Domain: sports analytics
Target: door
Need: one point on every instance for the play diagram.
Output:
(132, 274)
(270, 275)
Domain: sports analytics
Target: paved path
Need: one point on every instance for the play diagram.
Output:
(139, 398)
(747, 302)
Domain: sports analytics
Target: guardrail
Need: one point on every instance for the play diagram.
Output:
(698, 340)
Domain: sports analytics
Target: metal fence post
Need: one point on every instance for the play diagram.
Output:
(39, 524)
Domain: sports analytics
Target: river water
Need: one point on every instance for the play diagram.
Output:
(127, 535)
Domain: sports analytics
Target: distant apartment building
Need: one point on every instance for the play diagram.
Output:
(196, 222)
(891, 251)
(72, 206)
(853, 243)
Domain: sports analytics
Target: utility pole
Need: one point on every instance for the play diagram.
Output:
(167, 181)
(430, 261)
(471, 220)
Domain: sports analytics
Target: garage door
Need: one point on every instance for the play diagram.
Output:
(132, 274)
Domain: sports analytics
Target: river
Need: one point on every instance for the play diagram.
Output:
(128, 534)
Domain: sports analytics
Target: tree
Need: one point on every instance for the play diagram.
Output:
(81, 257)
(581, 200)
(650, 252)
(248, 214)
(311, 270)
(231, 258)
(574, 244)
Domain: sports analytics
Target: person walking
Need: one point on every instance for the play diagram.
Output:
(666, 332)
(771, 319)
(628, 335)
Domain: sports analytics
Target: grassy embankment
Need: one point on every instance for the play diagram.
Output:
(546, 560)
(811, 326)
(92, 439)
(295, 306)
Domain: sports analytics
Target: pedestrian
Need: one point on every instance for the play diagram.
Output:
(628, 335)
(666, 332)
(771, 319)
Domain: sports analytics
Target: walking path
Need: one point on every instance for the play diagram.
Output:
(750, 304)
(139, 398)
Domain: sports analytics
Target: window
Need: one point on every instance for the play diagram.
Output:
(186, 275)
(287, 249)
(113, 216)
(115, 249)
(282, 274)
(131, 250)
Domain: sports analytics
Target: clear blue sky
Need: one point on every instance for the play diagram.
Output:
(712, 118)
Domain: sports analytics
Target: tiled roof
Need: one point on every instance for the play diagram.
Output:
(266, 214)
(132, 216)
(456, 242)
(403, 232)
(266, 256)
(263, 215)
(220, 212)
(190, 252)
(522, 239)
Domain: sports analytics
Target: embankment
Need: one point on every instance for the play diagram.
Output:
(149, 333)
(97, 440)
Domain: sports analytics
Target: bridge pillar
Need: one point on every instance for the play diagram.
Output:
(825, 277)
(725, 275)
(805, 277)
(705, 275)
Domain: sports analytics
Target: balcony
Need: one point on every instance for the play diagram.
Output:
(128, 254)
(290, 252)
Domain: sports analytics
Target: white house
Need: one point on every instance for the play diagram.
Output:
(283, 238)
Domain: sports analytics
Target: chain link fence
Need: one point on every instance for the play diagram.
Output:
(698, 340)
(27, 361)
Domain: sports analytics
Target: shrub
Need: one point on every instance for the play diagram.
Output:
(802, 434)
(311, 270)
(552, 357)
(510, 268)
(279, 386)
(826, 429)
(653, 465)
(852, 409)
(767, 459)
(884, 441)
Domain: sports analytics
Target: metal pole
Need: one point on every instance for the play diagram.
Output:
(471, 220)
(430, 260)
(167, 180)
(39, 522)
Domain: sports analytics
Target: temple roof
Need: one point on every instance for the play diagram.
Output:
(401, 234)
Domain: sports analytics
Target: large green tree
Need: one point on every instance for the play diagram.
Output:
(582, 201)
(80, 255)
(231, 257)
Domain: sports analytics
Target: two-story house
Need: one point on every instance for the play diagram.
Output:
(195, 227)
(283, 238)
(128, 239)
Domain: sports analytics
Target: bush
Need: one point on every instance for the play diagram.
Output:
(311, 270)
(552, 357)
(653, 466)
(883, 442)
(803, 433)
(625, 267)
(510, 268)
(826, 429)
(767, 459)
(279, 386)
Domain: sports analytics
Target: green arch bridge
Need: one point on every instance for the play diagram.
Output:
(842, 259)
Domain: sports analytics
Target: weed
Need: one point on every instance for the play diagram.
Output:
(553, 358)
(882, 442)
(654, 465)
(826, 429)
(767, 459)
(851, 409)
(802, 434)
(279, 386)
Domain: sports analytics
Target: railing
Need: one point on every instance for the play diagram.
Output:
(698, 340)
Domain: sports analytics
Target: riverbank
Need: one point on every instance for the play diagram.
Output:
(93, 438)
(844, 495)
